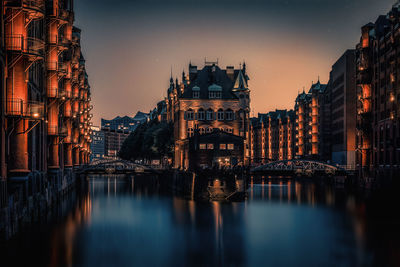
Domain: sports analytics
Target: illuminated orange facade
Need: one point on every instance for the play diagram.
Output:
(378, 123)
(205, 100)
(308, 118)
(272, 137)
(44, 121)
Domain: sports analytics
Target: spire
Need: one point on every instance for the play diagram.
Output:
(244, 67)
(171, 80)
(241, 82)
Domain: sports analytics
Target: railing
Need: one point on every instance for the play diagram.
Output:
(63, 41)
(25, 45)
(20, 108)
(35, 5)
(62, 68)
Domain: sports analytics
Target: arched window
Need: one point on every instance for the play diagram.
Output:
(202, 131)
(190, 115)
(210, 115)
(190, 132)
(209, 130)
(220, 115)
(201, 115)
(229, 115)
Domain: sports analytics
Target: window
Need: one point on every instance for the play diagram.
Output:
(202, 146)
(231, 146)
(222, 146)
(229, 115)
(202, 130)
(210, 146)
(220, 115)
(201, 114)
(210, 115)
(196, 94)
(190, 132)
(214, 95)
(209, 129)
(190, 115)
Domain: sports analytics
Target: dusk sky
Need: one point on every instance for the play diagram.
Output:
(130, 45)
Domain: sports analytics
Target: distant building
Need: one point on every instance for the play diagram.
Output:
(208, 99)
(125, 123)
(309, 122)
(113, 140)
(342, 88)
(378, 119)
(272, 136)
(98, 144)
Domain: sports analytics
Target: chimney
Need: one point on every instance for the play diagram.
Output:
(230, 71)
(192, 72)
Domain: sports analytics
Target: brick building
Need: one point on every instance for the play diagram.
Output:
(378, 81)
(208, 99)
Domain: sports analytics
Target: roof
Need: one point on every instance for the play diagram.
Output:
(213, 78)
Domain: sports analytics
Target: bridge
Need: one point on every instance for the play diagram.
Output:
(300, 168)
(115, 167)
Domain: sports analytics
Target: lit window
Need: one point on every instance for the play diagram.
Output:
(202, 146)
(190, 132)
(222, 146)
(210, 146)
(231, 146)
(220, 115)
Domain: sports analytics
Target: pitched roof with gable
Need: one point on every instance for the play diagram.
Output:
(213, 78)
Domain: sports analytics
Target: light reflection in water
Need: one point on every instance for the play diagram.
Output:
(127, 221)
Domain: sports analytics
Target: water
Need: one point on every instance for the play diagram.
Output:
(125, 221)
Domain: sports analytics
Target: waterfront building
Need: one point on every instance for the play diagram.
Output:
(113, 140)
(378, 81)
(98, 144)
(343, 108)
(208, 99)
(46, 107)
(217, 149)
(309, 116)
(272, 137)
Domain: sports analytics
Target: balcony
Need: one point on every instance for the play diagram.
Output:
(62, 69)
(64, 15)
(34, 8)
(28, 110)
(63, 42)
(364, 76)
(28, 46)
(52, 130)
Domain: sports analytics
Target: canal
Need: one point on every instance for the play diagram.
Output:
(134, 221)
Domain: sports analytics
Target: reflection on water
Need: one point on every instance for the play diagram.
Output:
(133, 221)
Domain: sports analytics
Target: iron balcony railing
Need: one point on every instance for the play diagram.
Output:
(27, 109)
(32, 5)
(52, 130)
(25, 45)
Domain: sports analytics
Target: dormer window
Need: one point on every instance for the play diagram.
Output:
(196, 92)
(214, 91)
(190, 115)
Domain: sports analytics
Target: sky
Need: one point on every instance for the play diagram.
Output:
(131, 45)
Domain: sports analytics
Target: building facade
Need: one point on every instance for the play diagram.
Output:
(342, 88)
(378, 81)
(113, 140)
(45, 90)
(309, 122)
(272, 137)
(205, 100)
(98, 144)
